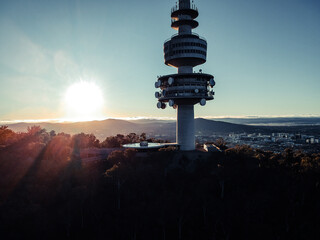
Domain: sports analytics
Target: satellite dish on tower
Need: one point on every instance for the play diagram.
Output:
(212, 82)
(203, 102)
(159, 105)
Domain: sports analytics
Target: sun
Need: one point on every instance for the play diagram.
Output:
(84, 101)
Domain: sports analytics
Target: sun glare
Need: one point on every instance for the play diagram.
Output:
(84, 101)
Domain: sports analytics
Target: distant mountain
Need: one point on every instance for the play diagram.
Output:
(275, 121)
(160, 128)
(211, 126)
(147, 121)
(100, 129)
(110, 127)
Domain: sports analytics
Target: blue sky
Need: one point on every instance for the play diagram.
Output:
(265, 56)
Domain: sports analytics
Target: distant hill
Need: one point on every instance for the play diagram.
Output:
(211, 126)
(100, 129)
(110, 127)
(165, 128)
(275, 121)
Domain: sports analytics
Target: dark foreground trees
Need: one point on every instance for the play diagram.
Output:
(48, 192)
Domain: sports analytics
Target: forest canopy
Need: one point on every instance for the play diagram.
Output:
(47, 190)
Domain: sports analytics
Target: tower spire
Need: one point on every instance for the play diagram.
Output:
(183, 90)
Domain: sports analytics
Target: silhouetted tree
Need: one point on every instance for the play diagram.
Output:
(111, 142)
(7, 136)
(241, 193)
(83, 140)
(221, 143)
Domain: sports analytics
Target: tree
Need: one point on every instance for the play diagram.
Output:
(35, 130)
(7, 136)
(121, 170)
(111, 142)
(52, 133)
(143, 137)
(83, 140)
(221, 143)
(132, 137)
(37, 134)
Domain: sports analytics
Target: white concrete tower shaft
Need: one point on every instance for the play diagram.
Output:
(185, 127)
(185, 113)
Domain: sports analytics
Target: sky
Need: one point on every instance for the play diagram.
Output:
(265, 56)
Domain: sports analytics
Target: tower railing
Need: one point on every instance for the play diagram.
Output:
(184, 6)
(186, 35)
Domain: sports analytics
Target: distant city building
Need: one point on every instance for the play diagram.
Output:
(183, 90)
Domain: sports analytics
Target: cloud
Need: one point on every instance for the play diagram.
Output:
(31, 114)
(20, 53)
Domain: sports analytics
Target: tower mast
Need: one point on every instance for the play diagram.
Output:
(183, 90)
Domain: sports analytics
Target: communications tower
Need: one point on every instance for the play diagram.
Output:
(183, 90)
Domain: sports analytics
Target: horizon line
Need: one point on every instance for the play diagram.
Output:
(64, 120)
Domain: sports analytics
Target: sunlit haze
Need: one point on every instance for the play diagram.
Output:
(86, 60)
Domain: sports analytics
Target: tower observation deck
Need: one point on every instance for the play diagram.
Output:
(183, 90)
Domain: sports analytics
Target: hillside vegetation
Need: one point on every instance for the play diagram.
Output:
(48, 192)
